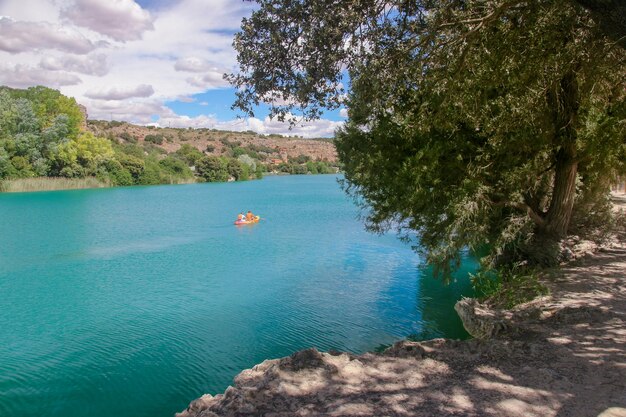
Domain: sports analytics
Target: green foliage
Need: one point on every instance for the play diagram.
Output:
(152, 174)
(176, 167)
(118, 174)
(470, 124)
(212, 169)
(48, 104)
(230, 144)
(508, 287)
(300, 159)
(128, 137)
(81, 157)
(156, 139)
(189, 154)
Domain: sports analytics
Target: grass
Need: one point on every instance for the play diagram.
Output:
(50, 184)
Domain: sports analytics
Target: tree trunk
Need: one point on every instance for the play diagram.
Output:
(565, 103)
(563, 194)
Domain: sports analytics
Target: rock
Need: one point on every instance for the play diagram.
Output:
(405, 348)
(305, 359)
(197, 406)
(480, 321)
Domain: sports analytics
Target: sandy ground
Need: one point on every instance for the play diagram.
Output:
(563, 355)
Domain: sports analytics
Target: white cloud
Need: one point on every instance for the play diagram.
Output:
(22, 76)
(121, 93)
(89, 65)
(17, 37)
(214, 79)
(122, 20)
(313, 129)
(192, 64)
(172, 52)
(343, 112)
(139, 111)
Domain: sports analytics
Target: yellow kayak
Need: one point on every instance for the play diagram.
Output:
(244, 221)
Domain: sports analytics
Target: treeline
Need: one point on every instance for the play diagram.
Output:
(42, 135)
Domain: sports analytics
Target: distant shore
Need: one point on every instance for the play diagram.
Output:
(28, 185)
(23, 185)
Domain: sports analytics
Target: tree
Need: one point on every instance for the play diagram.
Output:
(189, 154)
(49, 103)
(82, 156)
(471, 123)
(212, 169)
(235, 169)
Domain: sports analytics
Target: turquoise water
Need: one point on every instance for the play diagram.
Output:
(134, 301)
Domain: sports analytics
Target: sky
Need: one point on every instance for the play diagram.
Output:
(156, 62)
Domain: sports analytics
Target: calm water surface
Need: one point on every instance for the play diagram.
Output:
(134, 301)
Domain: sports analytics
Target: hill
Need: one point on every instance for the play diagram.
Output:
(268, 149)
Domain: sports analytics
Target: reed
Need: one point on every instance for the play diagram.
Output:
(49, 184)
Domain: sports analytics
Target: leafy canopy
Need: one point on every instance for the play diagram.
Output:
(473, 123)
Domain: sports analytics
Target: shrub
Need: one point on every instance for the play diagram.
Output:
(156, 139)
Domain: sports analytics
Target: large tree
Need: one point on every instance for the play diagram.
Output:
(480, 123)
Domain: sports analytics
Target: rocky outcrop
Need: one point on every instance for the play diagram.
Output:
(83, 125)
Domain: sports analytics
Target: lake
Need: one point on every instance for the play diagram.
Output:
(135, 301)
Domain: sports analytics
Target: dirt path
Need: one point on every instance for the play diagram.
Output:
(565, 356)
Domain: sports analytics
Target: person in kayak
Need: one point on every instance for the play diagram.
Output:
(240, 217)
(249, 216)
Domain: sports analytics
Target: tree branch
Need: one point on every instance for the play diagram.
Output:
(534, 216)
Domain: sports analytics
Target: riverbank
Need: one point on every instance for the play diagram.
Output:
(561, 354)
(23, 185)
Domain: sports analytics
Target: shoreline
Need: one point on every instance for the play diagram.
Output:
(88, 183)
(561, 354)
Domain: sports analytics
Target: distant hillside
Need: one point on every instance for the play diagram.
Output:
(46, 143)
(270, 150)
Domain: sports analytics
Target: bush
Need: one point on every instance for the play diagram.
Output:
(128, 137)
(508, 287)
(212, 169)
(189, 154)
(156, 139)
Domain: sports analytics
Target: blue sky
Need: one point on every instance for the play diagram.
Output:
(219, 102)
(143, 61)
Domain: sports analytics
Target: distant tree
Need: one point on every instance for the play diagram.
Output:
(133, 164)
(212, 169)
(189, 154)
(82, 156)
(176, 167)
(49, 103)
(235, 169)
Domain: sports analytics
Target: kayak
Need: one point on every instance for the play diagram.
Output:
(242, 222)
